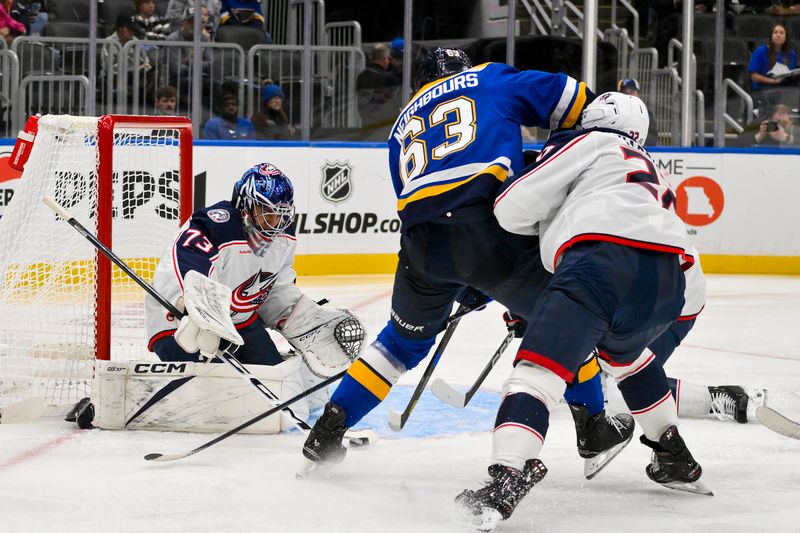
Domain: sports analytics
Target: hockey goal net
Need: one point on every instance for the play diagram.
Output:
(128, 179)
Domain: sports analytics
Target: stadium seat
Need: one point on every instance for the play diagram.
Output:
(558, 54)
(69, 10)
(113, 9)
(244, 36)
(753, 28)
(67, 29)
(36, 58)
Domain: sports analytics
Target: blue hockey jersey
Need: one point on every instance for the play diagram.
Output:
(459, 137)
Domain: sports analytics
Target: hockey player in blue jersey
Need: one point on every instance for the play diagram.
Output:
(246, 245)
(609, 233)
(450, 150)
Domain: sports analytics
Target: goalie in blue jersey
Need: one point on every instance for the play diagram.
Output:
(450, 150)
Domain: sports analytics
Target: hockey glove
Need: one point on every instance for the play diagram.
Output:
(192, 338)
(515, 323)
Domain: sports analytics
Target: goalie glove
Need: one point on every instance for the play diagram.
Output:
(329, 340)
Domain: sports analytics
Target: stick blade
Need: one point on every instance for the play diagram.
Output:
(396, 421)
(446, 393)
(163, 458)
(778, 423)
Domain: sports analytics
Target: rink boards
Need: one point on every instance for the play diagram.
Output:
(738, 204)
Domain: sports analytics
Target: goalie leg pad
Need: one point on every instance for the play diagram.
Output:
(186, 396)
(328, 339)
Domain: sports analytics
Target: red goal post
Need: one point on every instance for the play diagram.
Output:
(105, 170)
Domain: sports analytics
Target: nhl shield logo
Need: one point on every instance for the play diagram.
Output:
(336, 186)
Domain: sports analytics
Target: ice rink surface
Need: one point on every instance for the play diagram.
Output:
(54, 477)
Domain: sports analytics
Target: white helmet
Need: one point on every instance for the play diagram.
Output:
(622, 112)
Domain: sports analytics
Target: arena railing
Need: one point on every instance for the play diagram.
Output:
(69, 56)
(170, 64)
(334, 72)
(52, 94)
(9, 83)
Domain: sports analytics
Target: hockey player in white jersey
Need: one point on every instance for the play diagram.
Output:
(608, 231)
(245, 244)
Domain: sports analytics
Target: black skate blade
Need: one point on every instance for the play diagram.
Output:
(593, 465)
(698, 487)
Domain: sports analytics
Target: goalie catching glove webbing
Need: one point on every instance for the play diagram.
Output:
(329, 340)
(208, 318)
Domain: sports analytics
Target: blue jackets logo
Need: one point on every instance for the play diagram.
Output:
(336, 185)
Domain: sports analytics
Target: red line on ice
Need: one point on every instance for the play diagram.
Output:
(37, 451)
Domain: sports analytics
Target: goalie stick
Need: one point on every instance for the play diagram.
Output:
(398, 420)
(445, 392)
(228, 358)
(357, 438)
(778, 423)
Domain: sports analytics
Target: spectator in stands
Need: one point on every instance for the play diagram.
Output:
(166, 100)
(32, 15)
(378, 92)
(774, 58)
(270, 121)
(176, 9)
(152, 27)
(126, 29)
(631, 86)
(179, 61)
(229, 125)
(396, 58)
(778, 130)
(10, 28)
(242, 12)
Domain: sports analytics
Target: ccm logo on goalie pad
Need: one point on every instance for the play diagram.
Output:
(159, 368)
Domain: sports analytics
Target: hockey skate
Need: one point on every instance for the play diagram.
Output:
(600, 437)
(733, 403)
(323, 447)
(672, 465)
(487, 506)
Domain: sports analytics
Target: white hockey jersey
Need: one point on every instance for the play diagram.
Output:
(213, 243)
(598, 185)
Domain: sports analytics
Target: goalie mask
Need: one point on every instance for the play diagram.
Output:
(265, 197)
(621, 112)
(440, 63)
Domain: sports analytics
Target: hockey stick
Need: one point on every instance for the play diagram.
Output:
(778, 423)
(445, 392)
(398, 420)
(160, 457)
(225, 356)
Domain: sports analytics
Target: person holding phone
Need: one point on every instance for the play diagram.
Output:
(778, 129)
